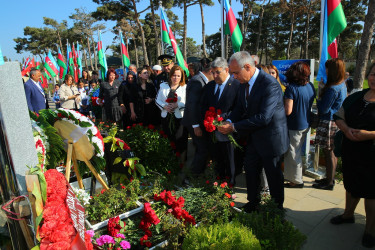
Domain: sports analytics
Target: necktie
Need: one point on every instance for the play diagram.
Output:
(247, 90)
(217, 94)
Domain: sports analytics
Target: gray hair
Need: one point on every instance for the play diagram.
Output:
(242, 58)
(219, 62)
(132, 65)
(33, 71)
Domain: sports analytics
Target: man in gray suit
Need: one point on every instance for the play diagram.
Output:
(193, 119)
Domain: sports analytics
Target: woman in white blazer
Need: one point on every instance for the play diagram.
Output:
(69, 96)
(172, 113)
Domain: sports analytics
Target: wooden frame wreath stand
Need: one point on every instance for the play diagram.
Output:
(71, 155)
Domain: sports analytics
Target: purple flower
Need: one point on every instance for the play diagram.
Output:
(104, 239)
(120, 236)
(125, 244)
(90, 233)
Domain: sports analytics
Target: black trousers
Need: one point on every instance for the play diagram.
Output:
(253, 165)
(201, 151)
(224, 157)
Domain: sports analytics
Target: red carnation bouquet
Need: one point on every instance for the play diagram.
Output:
(212, 120)
(171, 117)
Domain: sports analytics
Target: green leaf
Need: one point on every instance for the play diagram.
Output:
(38, 219)
(107, 139)
(117, 160)
(36, 248)
(141, 169)
(85, 124)
(38, 200)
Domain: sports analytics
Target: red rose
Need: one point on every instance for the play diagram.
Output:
(140, 124)
(218, 111)
(178, 154)
(151, 126)
(219, 119)
(223, 185)
(102, 191)
(232, 204)
(128, 127)
(207, 182)
(169, 171)
(228, 195)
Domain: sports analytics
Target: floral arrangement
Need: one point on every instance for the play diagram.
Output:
(150, 218)
(82, 196)
(212, 120)
(39, 138)
(113, 202)
(92, 133)
(171, 116)
(115, 239)
(153, 147)
(57, 230)
(44, 136)
(176, 206)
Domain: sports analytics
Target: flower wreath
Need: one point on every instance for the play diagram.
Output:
(92, 133)
(49, 145)
(40, 144)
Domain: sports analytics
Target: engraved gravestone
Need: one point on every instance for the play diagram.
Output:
(15, 118)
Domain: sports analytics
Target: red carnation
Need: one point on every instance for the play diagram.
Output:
(151, 126)
(232, 204)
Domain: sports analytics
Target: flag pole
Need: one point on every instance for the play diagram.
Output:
(222, 28)
(161, 29)
(322, 9)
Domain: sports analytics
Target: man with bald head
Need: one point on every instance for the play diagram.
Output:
(259, 115)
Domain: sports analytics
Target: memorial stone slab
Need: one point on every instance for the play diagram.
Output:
(16, 120)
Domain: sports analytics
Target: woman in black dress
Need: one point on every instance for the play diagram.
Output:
(142, 100)
(356, 119)
(124, 96)
(109, 93)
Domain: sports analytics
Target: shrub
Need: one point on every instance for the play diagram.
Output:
(153, 148)
(221, 236)
(113, 202)
(271, 229)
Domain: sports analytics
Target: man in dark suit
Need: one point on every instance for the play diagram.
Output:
(192, 119)
(35, 95)
(260, 115)
(221, 93)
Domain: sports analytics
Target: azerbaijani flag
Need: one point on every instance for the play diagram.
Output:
(61, 63)
(232, 28)
(69, 60)
(30, 65)
(26, 63)
(124, 52)
(74, 53)
(102, 58)
(168, 37)
(334, 23)
(37, 63)
(51, 65)
(1, 57)
(79, 61)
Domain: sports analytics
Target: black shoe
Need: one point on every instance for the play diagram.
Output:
(289, 185)
(339, 219)
(368, 240)
(249, 208)
(321, 180)
(323, 186)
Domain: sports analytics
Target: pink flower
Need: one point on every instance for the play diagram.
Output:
(90, 233)
(105, 239)
(215, 183)
(125, 244)
(120, 236)
(234, 196)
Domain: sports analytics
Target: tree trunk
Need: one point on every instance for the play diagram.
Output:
(246, 21)
(88, 46)
(142, 34)
(157, 41)
(61, 47)
(291, 30)
(364, 47)
(136, 53)
(185, 31)
(85, 56)
(259, 28)
(306, 52)
(203, 31)
(95, 54)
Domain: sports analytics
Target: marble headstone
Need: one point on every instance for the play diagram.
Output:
(16, 120)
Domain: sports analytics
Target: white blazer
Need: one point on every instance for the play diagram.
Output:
(181, 99)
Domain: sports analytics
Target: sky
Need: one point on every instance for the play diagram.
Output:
(17, 14)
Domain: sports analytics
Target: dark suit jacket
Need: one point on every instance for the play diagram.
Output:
(194, 90)
(262, 117)
(227, 99)
(35, 99)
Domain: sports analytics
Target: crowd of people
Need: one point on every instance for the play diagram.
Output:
(270, 119)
